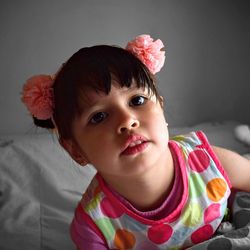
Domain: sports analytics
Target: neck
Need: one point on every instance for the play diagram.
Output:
(147, 191)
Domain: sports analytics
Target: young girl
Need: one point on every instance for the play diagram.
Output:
(149, 192)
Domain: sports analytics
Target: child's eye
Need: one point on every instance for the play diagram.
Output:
(98, 117)
(138, 100)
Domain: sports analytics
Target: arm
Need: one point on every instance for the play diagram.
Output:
(236, 167)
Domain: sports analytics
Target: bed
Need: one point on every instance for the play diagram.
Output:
(40, 186)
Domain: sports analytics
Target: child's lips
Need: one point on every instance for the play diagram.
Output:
(134, 144)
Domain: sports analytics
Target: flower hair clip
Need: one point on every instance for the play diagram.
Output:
(38, 95)
(148, 51)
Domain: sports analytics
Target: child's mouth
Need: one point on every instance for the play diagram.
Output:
(137, 148)
(134, 144)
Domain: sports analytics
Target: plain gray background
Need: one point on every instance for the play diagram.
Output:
(206, 76)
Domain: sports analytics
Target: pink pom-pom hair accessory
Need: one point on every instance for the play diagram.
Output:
(148, 51)
(38, 96)
(37, 92)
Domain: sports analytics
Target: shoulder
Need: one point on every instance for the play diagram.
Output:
(194, 138)
(200, 153)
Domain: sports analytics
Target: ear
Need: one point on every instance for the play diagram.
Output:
(73, 149)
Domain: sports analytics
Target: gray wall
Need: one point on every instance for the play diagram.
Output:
(206, 76)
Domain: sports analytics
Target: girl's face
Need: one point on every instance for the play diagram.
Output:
(123, 133)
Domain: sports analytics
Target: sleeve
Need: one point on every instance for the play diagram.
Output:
(84, 236)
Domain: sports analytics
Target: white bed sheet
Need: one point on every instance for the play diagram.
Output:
(39, 189)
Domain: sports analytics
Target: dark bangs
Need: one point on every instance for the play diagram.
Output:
(95, 68)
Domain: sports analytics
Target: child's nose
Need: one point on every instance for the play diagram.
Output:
(127, 123)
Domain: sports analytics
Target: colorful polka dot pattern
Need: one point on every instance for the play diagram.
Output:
(160, 233)
(238, 238)
(197, 221)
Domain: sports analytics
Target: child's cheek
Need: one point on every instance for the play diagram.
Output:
(159, 127)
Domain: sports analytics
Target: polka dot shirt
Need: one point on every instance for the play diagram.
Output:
(201, 189)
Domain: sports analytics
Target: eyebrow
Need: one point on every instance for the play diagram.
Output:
(88, 103)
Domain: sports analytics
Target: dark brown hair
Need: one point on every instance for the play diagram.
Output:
(93, 68)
